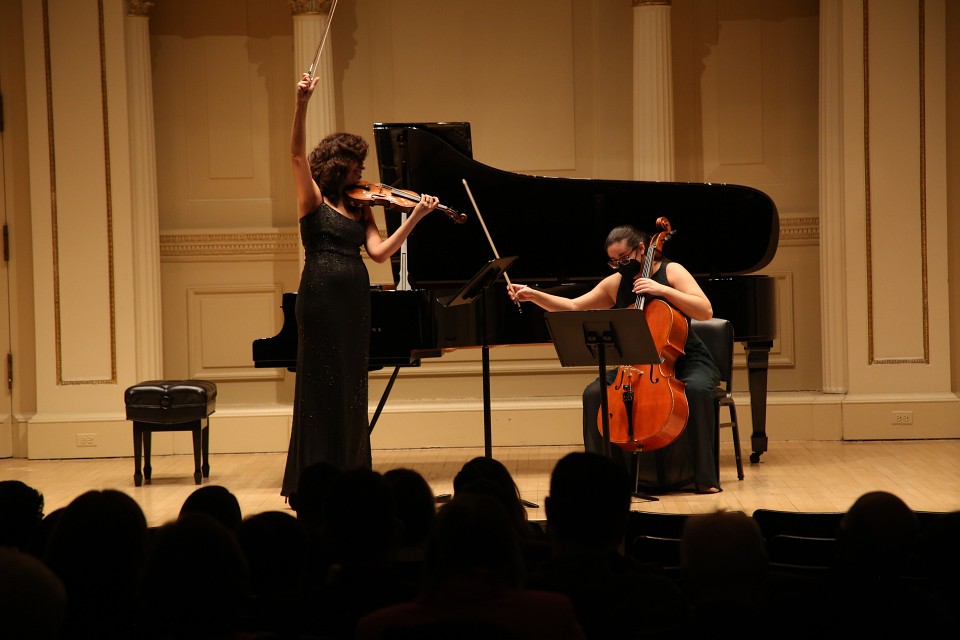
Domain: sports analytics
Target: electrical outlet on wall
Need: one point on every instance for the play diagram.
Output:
(903, 417)
(86, 439)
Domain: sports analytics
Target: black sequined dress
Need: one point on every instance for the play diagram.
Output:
(330, 421)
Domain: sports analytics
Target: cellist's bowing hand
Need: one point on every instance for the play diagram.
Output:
(425, 206)
(646, 286)
(520, 292)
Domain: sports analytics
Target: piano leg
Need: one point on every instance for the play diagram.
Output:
(758, 357)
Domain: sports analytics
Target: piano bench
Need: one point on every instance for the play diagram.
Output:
(171, 405)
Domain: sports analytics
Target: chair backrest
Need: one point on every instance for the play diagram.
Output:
(717, 335)
(814, 524)
(654, 523)
(656, 551)
(802, 551)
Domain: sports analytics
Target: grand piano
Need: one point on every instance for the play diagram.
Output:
(555, 227)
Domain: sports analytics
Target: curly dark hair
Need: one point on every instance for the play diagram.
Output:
(330, 162)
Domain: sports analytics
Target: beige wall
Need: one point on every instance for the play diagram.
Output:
(546, 86)
(952, 26)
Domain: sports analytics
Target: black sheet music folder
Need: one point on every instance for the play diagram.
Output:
(476, 285)
(623, 334)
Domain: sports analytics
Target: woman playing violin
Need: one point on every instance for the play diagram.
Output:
(690, 461)
(333, 301)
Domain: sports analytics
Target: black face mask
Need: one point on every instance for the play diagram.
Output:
(630, 270)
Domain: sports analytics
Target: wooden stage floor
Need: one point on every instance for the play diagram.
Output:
(792, 475)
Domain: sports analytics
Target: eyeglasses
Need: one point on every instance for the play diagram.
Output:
(623, 259)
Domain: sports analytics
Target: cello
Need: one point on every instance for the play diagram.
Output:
(647, 404)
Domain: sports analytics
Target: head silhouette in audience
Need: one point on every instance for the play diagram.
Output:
(875, 536)
(723, 558)
(416, 509)
(472, 587)
(588, 504)
(275, 545)
(361, 533)
(360, 521)
(312, 487)
(21, 510)
(473, 541)
(32, 599)
(98, 549)
(490, 476)
(587, 510)
(216, 502)
(196, 583)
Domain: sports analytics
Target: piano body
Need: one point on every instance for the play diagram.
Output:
(556, 227)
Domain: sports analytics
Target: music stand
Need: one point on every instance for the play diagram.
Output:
(476, 288)
(602, 337)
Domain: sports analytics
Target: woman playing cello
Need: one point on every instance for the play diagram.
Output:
(689, 462)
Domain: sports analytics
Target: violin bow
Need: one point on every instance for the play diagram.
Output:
(489, 239)
(326, 30)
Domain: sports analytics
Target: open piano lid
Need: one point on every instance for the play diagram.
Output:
(557, 226)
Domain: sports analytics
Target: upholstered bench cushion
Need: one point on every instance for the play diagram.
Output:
(170, 401)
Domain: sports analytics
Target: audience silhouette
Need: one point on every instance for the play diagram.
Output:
(217, 502)
(33, 601)
(724, 566)
(472, 586)
(416, 509)
(361, 536)
(21, 511)
(196, 584)
(587, 510)
(98, 548)
(873, 592)
(275, 545)
(367, 555)
(491, 477)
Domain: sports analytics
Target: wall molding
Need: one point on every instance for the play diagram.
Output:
(254, 245)
(284, 244)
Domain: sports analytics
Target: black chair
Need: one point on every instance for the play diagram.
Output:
(171, 405)
(802, 554)
(717, 335)
(809, 524)
(654, 523)
(660, 554)
(653, 539)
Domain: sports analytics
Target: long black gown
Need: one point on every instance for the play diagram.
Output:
(689, 462)
(330, 421)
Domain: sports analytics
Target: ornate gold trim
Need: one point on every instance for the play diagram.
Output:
(799, 230)
(871, 358)
(182, 245)
(53, 202)
(309, 7)
(139, 8)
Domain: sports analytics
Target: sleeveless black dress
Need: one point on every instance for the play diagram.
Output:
(689, 462)
(330, 421)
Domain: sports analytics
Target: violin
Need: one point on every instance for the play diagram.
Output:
(647, 404)
(365, 193)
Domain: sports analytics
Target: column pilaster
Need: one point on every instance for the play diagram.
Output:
(143, 188)
(832, 234)
(652, 91)
(309, 21)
